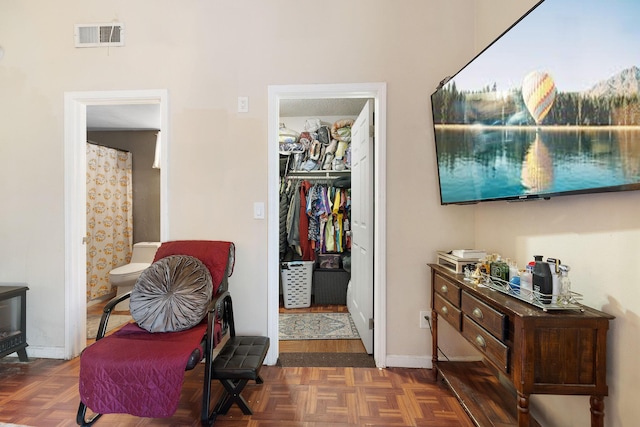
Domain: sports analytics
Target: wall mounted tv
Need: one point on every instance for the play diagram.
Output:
(551, 107)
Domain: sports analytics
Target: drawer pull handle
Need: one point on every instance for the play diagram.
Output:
(477, 313)
(444, 289)
(444, 310)
(481, 342)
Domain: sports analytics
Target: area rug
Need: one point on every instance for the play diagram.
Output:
(317, 326)
(115, 320)
(326, 360)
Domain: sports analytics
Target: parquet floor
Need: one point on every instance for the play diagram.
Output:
(44, 392)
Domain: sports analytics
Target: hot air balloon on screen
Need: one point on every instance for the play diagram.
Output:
(538, 92)
(537, 167)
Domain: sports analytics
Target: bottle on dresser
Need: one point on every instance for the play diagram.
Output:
(526, 280)
(565, 296)
(514, 276)
(554, 267)
(542, 280)
(500, 269)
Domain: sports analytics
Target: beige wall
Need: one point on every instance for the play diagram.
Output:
(206, 54)
(598, 236)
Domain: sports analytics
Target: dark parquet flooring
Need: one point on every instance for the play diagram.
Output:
(44, 392)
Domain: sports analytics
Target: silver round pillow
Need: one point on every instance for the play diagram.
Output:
(172, 294)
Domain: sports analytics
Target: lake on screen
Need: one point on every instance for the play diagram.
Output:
(482, 162)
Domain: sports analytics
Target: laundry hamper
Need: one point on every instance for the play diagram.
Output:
(297, 277)
(330, 286)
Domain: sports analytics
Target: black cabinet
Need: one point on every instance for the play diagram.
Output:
(13, 320)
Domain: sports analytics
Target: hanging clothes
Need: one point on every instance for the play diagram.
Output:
(313, 206)
(317, 219)
(293, 223)
(326, 220)
(285, 199)
(307, 250)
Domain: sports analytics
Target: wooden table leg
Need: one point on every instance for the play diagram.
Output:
(597, 411)
(434, 343)
(523, 410)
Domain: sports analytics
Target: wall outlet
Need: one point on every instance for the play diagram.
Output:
(425, 317)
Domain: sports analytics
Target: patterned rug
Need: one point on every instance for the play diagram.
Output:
(317, 326)
(115, 320)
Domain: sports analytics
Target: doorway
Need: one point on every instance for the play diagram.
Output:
(282, 94)
(76, 104)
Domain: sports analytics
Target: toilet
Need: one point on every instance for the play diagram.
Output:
(124, 277)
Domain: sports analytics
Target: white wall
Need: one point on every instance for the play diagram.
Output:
(598, 236)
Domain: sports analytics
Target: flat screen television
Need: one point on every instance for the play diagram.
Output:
(550, 108)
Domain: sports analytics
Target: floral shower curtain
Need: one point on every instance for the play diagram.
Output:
(109, 215)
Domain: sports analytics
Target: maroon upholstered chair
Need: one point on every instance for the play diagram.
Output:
(139, 372)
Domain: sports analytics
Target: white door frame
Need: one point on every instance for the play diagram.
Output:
(75, 138)
(377, 91)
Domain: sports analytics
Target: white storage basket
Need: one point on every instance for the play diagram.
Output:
(297, 277)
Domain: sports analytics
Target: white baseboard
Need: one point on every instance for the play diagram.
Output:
(399, 361)
(38, 352)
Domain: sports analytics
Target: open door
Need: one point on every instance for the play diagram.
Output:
(360, 301)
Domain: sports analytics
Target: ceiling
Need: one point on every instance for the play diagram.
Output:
(147, 116)
(123, 117)
(321, 107)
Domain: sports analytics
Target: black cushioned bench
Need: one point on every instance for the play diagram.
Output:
(236, 364)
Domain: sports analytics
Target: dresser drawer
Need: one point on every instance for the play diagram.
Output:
(493, 349)
(490, 319)
(447, 311)
(449, 290)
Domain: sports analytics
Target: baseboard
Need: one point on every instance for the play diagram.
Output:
(38, 352)
(400, 361)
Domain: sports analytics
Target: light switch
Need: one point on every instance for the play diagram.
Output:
(258, 210)
(243, 104)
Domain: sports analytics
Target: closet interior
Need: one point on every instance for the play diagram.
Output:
(315, 200)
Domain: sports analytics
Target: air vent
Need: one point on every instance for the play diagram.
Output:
(99, 35)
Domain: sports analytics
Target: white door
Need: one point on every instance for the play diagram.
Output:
(361, 293)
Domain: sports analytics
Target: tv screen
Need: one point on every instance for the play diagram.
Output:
(551, 107)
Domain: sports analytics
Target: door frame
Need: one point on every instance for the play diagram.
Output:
(378, 92)
(75, 158)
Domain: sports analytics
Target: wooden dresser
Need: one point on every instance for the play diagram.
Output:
(525, 351)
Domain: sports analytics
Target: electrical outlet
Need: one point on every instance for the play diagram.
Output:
(424, 319)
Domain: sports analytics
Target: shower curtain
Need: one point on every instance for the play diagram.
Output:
(109, 215)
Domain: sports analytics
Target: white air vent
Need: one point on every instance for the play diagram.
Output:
(98, 35)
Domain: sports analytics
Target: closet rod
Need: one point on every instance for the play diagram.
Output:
(318, 175)
(311, 178)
